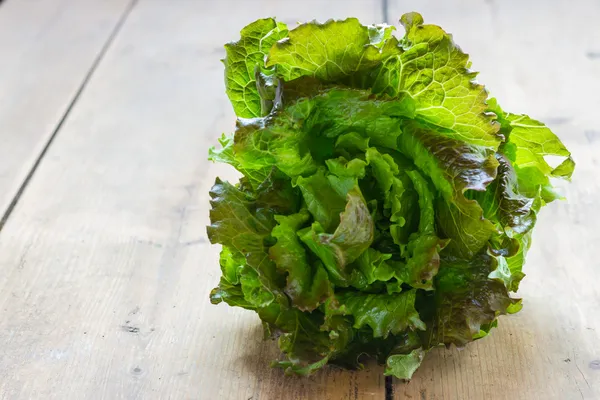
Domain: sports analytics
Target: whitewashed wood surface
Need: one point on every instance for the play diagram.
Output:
(47, 49)
(105, 268)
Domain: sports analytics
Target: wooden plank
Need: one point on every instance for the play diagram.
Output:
(47, 49)
(535, 63)
(105, 268)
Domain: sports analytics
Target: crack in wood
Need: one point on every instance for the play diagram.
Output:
(111, 37)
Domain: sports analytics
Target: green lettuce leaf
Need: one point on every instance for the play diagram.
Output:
(244, 61)
(307, 285)
(369, 268)
(226, 155)
(435, 73)
(453, 167)
(352, 237)
(403, 366)
(465, 300)
(333, 51)
(534, 141)
(424, 246)
(238, 224)
(529, 143)
(386, 172)
(307, 348)
(229, 289)
(385, 314)
(325, 197)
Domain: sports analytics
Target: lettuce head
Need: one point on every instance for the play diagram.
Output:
(386, 204)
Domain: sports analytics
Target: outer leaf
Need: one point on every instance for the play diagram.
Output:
(529, 142)
(503, 273)
(253, 289)
(364, 344)
(236, 224)
(434, 72)
(426, 65)
(453, 168)
(533, 183)
(403, 366)
(233, 222)
(504, 203)
(331, 51)
(226, 155)
(245, 58)
(510, 267)
(465, 300)
(535, 141)
(383, 313)
(230, 294)
(516, 262)
(262, 143)
(305, 345)
(229, 289)
(231, 265)
(514, 216)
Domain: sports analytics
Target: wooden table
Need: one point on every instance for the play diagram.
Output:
(107, 109)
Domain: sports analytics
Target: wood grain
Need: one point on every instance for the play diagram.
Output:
(47, 49)
(534, 61)
(105, 268)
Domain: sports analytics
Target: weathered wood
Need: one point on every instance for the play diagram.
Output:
(104, 264)
(105, 268)
(46, 51)
(534, 61)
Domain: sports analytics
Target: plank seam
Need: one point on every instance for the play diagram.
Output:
(389, 388)
(389, 383)
(103, 50)
(384, 11)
